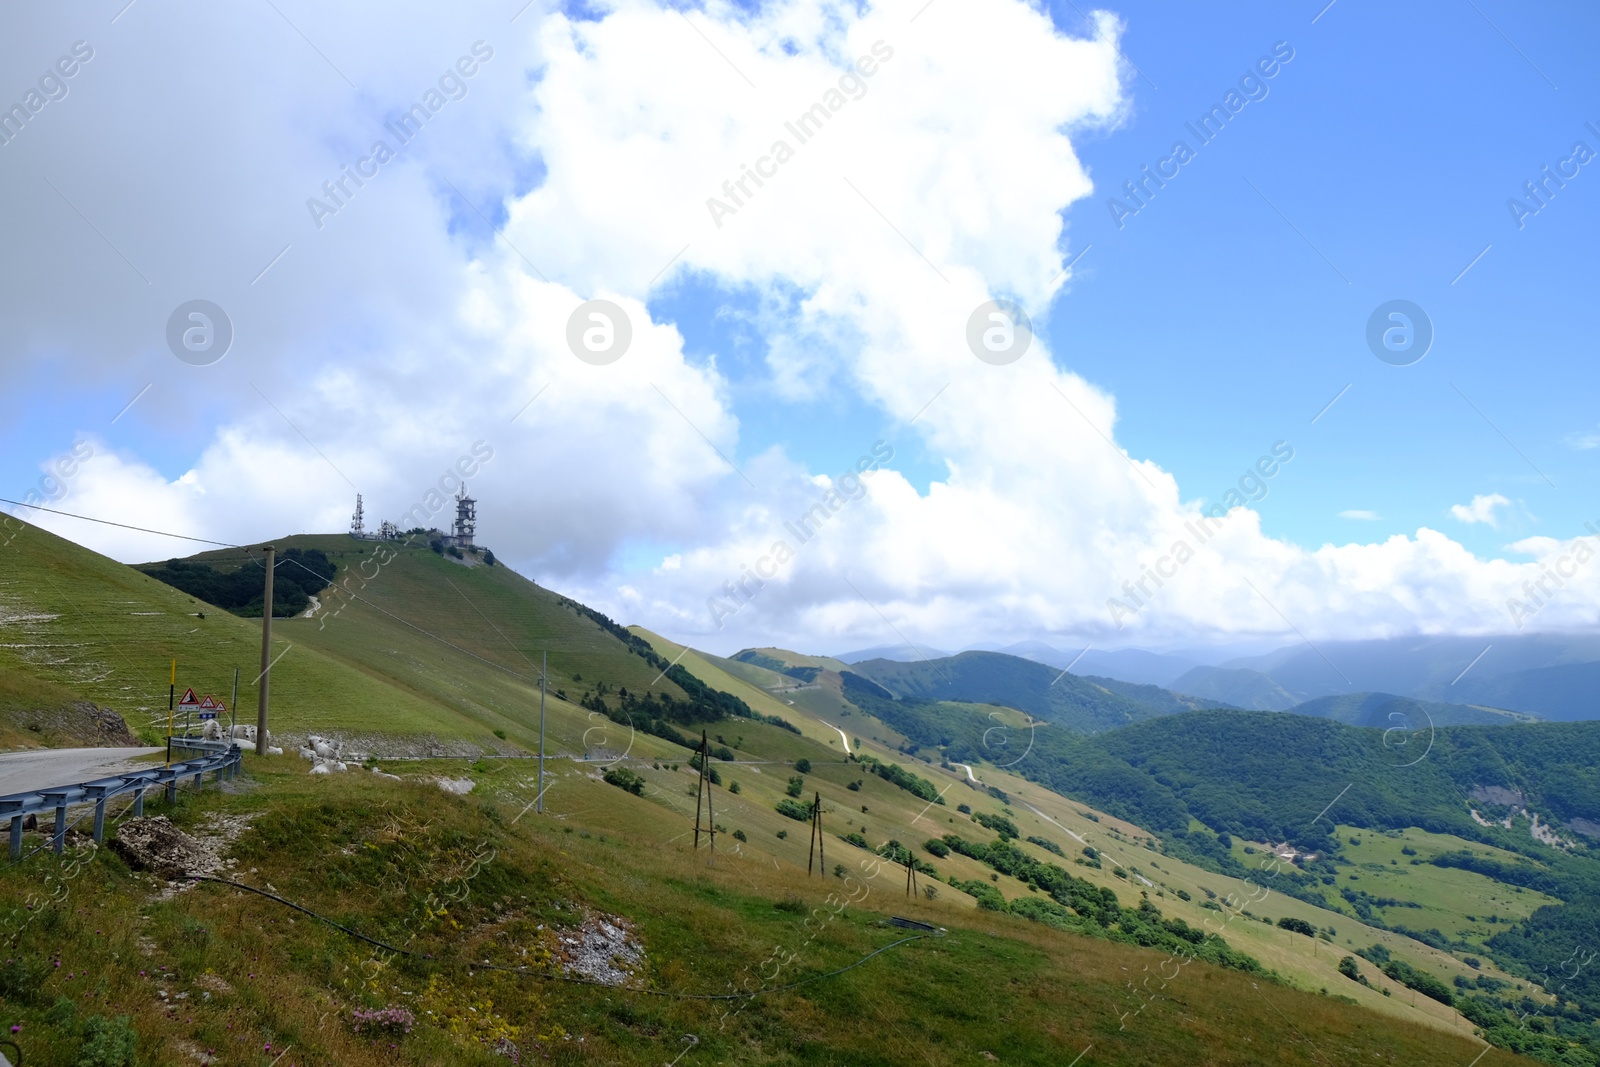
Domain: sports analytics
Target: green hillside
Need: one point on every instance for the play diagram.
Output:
(1163, 700)
(426, 653)
(1384, 710)
(488, 900)
(1238, 686)
(1057, 697)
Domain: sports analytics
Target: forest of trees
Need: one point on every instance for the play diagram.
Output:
(298, 576)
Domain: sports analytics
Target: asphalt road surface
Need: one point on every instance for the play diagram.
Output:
(40, 768)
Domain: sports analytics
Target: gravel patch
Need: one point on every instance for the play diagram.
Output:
(602, 949)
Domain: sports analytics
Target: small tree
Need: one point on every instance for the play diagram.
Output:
(796, 786)
(1351, 970)
(803, 765)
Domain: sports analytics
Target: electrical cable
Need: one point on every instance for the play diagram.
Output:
(527, 973)
(123, 525)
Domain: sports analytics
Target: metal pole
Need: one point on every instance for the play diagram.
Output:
(233, 708)
(265, 680)
(543, 670)
(172, 693)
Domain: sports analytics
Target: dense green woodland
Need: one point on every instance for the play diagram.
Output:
(297, 578)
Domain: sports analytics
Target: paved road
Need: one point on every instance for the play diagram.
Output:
(40, 768)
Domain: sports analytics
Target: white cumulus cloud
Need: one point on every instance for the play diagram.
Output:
(1481, 510)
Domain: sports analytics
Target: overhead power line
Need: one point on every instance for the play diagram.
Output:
(123, 525)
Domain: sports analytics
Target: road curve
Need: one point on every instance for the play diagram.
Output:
(40, 768)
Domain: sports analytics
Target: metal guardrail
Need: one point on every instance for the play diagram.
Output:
(223, 758)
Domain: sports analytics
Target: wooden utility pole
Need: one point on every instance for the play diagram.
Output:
(815, 847)
(911, 873)
(704, 790)
(543, 670)
(266, 658)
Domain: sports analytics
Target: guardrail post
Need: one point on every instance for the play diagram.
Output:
(172, 790)
(58, 838)
(16, 836)
(138, 802)
(100, 816)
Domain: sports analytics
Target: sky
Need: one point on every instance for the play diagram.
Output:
(1005, 297)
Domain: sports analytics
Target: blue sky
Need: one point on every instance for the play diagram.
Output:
(1215, 322)
(1390, 142)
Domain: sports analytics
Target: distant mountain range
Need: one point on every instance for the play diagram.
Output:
(1091, 704)
(1549, 676)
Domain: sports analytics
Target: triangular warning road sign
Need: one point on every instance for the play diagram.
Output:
(189, 700)
(208, 704)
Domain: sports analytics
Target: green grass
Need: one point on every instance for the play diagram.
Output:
(380, 856)
(371, 671)
(1454, 901)
(82, 626)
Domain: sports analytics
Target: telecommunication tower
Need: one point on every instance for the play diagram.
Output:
(466, 519)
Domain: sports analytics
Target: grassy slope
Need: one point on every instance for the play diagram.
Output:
(77, 623)
(995, 678)
(785, 658)
(383, 674)
(1456, 902)
(896, 814)
(90, 628)
(368, 852)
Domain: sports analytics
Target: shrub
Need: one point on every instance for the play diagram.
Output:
(738, 835)
(1047, 845)
(855, 786)
(1299, 926)
(803, 765)
(623, 778)
(794, 810)
(63, 1014)
(1183, 894)
(108, 1042)
(999, 824)
(796, 786)
(21, 980)
(733, 787)
(501, 734)
(782, 834)
(937, 847)
(963, 809)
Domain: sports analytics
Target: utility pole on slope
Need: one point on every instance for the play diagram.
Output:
(544, 669)
(264, 682)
